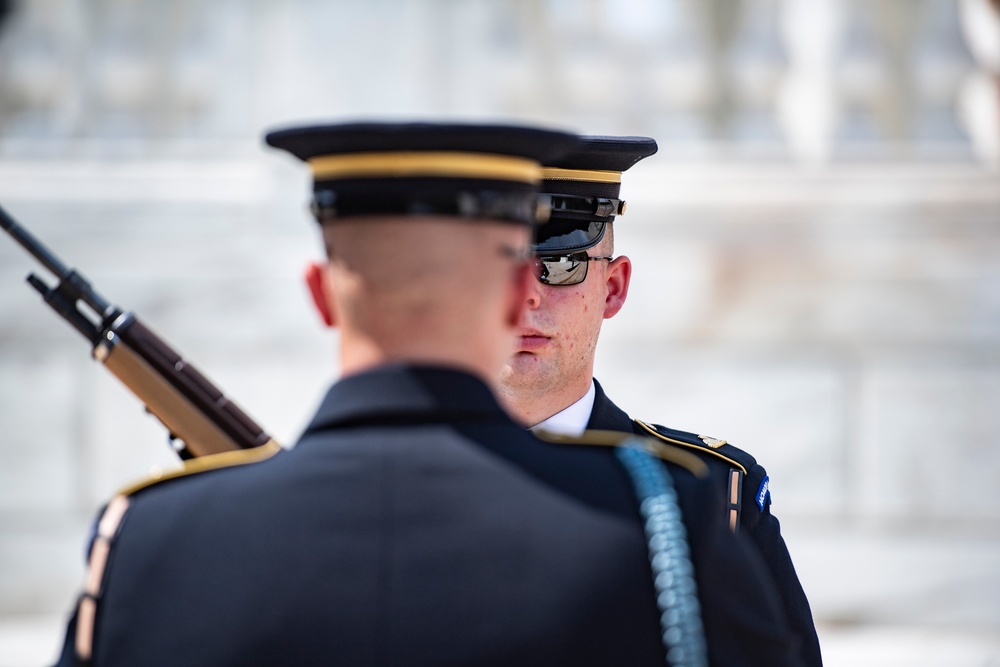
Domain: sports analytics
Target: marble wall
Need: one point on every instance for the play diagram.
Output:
(820, 78)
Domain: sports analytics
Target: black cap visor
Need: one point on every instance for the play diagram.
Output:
(561, 237)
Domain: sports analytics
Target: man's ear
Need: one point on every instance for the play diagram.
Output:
(619, 273)
(322, 296)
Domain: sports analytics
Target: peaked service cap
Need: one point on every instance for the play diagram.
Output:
(583, 187)
(462, 170)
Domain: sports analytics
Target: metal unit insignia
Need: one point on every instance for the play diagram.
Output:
(713, 443)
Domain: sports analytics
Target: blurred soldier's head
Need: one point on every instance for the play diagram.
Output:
(427, 231)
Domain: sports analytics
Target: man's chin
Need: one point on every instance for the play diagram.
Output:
(524, 369)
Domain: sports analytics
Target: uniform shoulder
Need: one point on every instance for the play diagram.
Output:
(702, 445)
(663, 450)
(202, 464)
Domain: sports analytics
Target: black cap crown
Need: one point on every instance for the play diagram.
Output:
(463, 170)
(584, 186)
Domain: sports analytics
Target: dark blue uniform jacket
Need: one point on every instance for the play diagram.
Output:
(415, 524)
(755, 519)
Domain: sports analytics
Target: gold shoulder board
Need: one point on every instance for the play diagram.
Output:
(709, 447)
(204, 463)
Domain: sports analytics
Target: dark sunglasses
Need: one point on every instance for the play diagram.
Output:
(564, 270)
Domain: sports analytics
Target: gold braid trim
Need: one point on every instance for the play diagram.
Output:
(203, 463)
(438, 164)
(699, 448)
(586, 175)
(600, 438)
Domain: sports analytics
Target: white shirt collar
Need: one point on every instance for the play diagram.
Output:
(573, 420)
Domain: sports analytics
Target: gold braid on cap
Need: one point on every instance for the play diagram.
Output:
(588, 175)
(438, 164)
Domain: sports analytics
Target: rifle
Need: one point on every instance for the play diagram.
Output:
(200, 419)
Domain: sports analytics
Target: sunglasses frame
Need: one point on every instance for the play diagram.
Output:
(580, 256)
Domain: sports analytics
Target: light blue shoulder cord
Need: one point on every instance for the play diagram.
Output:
(669, 556)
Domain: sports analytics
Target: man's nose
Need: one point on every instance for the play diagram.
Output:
(535, 293)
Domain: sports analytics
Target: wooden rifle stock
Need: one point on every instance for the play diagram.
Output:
(200, 419)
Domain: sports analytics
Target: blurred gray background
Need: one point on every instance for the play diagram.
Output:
(816, 248)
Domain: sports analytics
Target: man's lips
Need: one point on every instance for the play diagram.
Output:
(531, 341)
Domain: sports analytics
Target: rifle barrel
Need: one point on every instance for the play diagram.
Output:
(32, 245)
(71, 283)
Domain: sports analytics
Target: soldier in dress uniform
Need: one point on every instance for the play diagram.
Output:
(549, 382)
(414, 523)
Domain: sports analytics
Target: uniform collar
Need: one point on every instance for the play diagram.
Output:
(606, 415)
(401, 393)
(573, 420)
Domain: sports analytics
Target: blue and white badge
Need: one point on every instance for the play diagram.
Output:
(763, 493)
